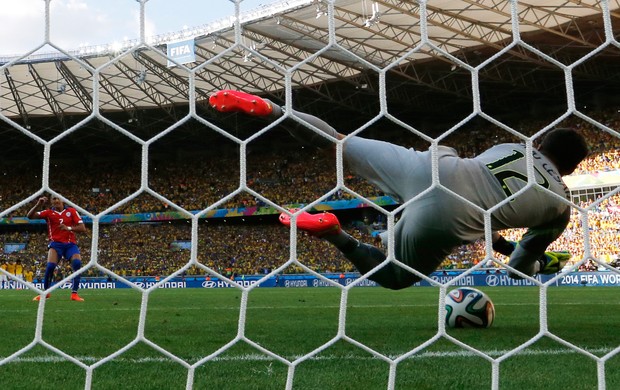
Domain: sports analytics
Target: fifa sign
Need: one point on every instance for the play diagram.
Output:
(182, 52)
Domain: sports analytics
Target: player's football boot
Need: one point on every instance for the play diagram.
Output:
(76, 297)
(316, 224)
(38, 297)
(553, 262)
(228, 100)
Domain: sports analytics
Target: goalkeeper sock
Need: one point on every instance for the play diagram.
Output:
(276, 111)
(342, 240)
(365, 257)
(301, 132)
(76, 264)
(503, 246)
(49, 275)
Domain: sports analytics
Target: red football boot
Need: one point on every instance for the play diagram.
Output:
(38, 297)
(76, 297)
(233, 101)
(316, 224)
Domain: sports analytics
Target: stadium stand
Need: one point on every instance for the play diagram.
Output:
(134, 249)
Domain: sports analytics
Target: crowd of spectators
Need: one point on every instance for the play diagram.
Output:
(151, 249)
(290, 175)
(286, 177)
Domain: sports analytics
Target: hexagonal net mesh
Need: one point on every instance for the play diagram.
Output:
(286, 78)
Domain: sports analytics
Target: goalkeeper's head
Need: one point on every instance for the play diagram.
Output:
(566, 148)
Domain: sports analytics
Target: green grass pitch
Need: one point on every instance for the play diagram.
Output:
(195, 323)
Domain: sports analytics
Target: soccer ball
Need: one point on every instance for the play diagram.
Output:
(468, 307)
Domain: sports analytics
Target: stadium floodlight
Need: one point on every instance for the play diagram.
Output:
(376, 15)
(320, 11)
(141, 77)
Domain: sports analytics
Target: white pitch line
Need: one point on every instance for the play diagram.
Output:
(260, 357)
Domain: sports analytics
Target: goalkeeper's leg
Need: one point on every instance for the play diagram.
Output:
(364, 257)
(236, 101)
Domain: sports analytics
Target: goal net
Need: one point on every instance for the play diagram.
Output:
(175, 195)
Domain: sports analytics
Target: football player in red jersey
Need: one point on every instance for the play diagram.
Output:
(62, 224)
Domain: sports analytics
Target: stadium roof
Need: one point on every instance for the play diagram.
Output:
(427, 66)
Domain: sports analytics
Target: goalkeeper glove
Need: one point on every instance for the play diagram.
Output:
(553, 262)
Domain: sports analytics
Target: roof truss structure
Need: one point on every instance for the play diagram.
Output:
(330, 73)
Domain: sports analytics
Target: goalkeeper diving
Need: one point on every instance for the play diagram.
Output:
(434, 221)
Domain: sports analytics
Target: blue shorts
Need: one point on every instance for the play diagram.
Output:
(66, 250)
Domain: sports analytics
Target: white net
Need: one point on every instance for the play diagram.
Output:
(447, 33)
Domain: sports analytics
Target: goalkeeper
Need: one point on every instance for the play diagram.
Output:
(436, 222)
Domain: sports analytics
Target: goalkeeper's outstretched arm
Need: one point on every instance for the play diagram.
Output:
(530, 255)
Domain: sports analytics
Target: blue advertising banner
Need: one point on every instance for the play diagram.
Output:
(479, 279)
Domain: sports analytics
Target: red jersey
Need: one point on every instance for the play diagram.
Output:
(68, 217)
